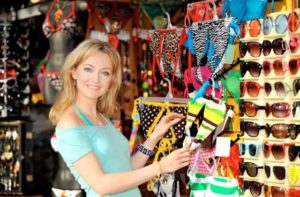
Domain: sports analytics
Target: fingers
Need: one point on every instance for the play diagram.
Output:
(173, 115)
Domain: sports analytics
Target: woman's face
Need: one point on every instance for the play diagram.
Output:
(93, 76)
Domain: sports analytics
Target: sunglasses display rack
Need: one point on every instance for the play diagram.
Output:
(270, 111)
(14, 73)
(15, 149)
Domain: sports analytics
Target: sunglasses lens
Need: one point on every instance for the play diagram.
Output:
(267, 46)
(280, 90)
(242, 148)
(267, 171)
(243, 30)
(250, 109)
(293, 44)
(251, 128)
(280, 131)
(278, 151)
(254, 49)
(280, 110)
(252, 150)
(293, 66)
(292, 153)
(277, 191)
(281, 24)
(296, 86)
(255, 189)
(296, 109)
(278, 46)
(268, 88)
(243, 49)
(293, 129)
(253, 89)
(254, 69)
(254, 28)
(278, 67)
(293, 23)
(266, 68)
(267, 25)
(266, 150)
(251, 169)
(279, 172)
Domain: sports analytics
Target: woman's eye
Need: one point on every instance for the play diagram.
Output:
(106, 73)
(87, 69)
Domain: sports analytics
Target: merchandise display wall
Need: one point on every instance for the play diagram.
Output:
(169, 65)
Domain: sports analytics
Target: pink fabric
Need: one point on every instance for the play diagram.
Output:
(206, 73)
(199, 160)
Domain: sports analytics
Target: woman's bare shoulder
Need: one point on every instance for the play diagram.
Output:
(69, 119)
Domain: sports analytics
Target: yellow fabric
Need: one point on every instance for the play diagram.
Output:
(294, 174)
(283, 5)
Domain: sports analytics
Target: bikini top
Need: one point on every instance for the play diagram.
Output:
(70, 24)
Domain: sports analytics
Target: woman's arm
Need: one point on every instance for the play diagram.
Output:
(91, 171)
(139, 159)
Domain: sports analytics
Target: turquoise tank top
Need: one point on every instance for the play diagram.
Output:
(109, 145)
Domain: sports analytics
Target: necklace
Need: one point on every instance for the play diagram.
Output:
(59, 11)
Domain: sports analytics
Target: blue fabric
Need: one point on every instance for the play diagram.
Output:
(82, 116)
(245, 10)
(189, 42)
(200, 93)
(108, 144)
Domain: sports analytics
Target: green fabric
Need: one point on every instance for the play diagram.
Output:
(231, 84)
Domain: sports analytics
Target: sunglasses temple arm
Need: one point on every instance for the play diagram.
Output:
(217, 76)
(232, 142)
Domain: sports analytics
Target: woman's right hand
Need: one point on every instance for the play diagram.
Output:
(177, 159)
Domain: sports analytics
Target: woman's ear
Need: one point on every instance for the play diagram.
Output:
(73, 73)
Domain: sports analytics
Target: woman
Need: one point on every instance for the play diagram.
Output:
(96, 153)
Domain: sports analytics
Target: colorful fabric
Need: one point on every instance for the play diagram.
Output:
(216, 186)
(70, 24)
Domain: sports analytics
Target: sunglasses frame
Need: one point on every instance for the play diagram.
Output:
(297, 149)
(274, 24)
(262, 47)
(270, 190)
(273, 169)
(271, 150)
(245, 88)
(247, 147)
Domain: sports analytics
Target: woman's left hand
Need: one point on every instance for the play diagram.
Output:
(164, 124)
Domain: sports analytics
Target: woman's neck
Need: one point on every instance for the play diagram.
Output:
(88, 107)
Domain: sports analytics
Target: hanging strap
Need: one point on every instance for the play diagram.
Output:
(82, 116)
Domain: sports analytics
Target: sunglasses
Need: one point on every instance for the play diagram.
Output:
(253, 28)
(274, 191)
(251, 87)
(293, 152)
(255, 48)
(254, 68)
(278, 130)
(251, 148)
(281, 89)
(277, 150)
(250, 168)
(294, 174)
(296, 109)
(293, 22)
(278, 110)
(278, 171)
(280, 24)
(8, 83)
(253, 186)
(296, 86)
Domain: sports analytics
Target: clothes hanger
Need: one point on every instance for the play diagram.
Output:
(167, 99)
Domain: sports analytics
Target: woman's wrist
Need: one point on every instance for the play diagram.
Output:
(145, 150)
(158, 169)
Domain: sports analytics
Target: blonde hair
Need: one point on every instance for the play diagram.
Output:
(107, 103)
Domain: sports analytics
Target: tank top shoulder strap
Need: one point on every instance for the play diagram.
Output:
(82, 116)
